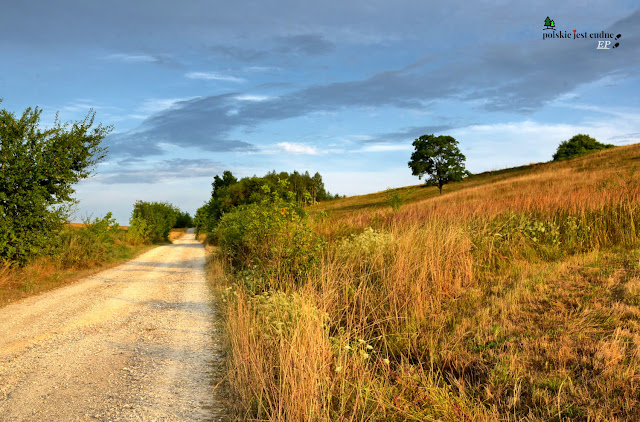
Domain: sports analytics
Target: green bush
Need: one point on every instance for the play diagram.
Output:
(270, 243)
(139, 232)
(578, 145)
(151, 222)
(93, 244)
(38, 169)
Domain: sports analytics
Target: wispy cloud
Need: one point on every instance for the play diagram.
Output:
(212, 76)
(497, 77)
(252, 98)
(155, 105)
(84, 105)
(158, 171)
(131, 58)
(164, 60)
(261, 69)
(305, 44)
(295, 148)
(386, 148)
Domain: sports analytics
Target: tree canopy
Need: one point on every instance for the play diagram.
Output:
(579, 145)
(439, 158)
(228, 193)
(38, 171)
(152, 221)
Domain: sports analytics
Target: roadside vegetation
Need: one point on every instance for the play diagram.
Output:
(512, 296)
(39, 249)
(229, 193)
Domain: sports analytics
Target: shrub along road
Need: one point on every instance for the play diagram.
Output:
(135, 342)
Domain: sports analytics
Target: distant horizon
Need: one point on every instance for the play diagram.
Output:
(421, 184)
(339, 88)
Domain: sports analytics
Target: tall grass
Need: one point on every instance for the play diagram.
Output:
(514, 296)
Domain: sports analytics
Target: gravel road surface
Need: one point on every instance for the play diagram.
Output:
(133, 343)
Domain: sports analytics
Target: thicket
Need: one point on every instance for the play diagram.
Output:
(151, 222)
(228, 193)
(577, 146)
(38, 170)
(269, 243)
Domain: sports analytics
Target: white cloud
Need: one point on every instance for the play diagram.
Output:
(84, 105)
(79, 107)
(298, 148)
(386, 148)
(252, 98)
(260, 69)
(212, 76)
(155, 105)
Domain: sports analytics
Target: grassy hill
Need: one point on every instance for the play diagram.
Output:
(514, 295)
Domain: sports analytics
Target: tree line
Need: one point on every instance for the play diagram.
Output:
(228, 192)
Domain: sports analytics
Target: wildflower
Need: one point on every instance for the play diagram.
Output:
(338, 368)
(386, 361)
(361, 341)
(369, 347)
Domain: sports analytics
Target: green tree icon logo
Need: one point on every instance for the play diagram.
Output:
(549, 24)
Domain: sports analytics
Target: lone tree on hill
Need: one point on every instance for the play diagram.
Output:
(577, 146)
(438, 157)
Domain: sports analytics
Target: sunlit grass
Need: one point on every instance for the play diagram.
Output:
(515, 295)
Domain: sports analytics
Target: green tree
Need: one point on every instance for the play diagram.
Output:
(152, 221)
(577, 146)
(439, 158)
(184, 220)
(39, 169)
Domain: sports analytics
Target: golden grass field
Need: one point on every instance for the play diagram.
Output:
(513, 296)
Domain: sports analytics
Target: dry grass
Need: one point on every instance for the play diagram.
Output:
(175, 234)
(83, 225)
(514, 296)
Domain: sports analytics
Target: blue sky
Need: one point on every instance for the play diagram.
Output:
(340, 87)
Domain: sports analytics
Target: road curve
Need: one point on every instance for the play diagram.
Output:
(133, 343)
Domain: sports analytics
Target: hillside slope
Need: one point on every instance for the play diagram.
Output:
(514, 295)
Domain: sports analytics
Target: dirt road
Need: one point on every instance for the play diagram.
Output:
(133, 343)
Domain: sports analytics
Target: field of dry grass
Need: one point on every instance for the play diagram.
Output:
(513, 296)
